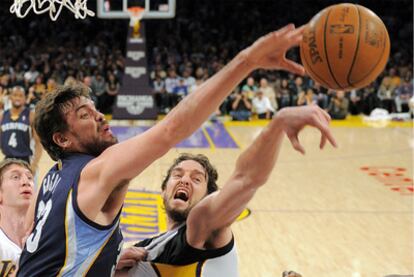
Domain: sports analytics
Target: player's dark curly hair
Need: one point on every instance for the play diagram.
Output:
(50, 115)
(211, 172)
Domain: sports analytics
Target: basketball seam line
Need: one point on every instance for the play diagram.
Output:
(357, 47)
(326, 53)
(310, 69)
(382, 53)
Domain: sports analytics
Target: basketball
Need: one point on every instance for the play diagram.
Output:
(345, 46)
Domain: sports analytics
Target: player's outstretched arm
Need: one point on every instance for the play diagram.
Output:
(126, 160)
(219, 210)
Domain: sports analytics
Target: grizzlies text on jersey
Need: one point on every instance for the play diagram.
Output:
(16, 135)
(64, 242)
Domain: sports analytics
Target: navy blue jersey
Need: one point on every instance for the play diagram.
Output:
(16, 135)
(64, 242)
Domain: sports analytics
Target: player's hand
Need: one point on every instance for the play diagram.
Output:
(294, 119)
(131, 256)
(269, 51)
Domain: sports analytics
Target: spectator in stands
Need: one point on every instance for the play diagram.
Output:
(338, 108)
(189, 80)
(307, 98)
(262, 106)
(403, 94)
(370, 99)
(241, 107)
(112, 89)
(171, 81)
(269, 92)
(160, 94)
(322, 95)
(386, 94)
(295, 88)
(250, 88)
(284, 96)
(98, 87)
(355, 102)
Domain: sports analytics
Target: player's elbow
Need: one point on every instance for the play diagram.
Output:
(175, 131)
(250, 180)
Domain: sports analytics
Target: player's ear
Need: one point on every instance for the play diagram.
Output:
(61, 140)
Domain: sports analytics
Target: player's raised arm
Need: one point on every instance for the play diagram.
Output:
(219, 210)
(126, 160)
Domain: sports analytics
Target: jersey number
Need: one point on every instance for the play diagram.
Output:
(13, 140)
(33, 240)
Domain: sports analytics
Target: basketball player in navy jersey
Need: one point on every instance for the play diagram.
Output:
(16, 132)
(76, 214)
(199, 217)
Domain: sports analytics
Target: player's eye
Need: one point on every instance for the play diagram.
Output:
(84, 115)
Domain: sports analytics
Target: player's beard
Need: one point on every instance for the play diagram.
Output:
(178, 216)
(97, 147)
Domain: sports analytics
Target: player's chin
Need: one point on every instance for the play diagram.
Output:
(110, 140)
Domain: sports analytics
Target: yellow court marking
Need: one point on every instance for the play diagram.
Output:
(238, 143)
(210, 141)
(351, 121)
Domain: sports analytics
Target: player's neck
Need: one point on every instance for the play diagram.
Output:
(12, 224)
(171, 224)
(16, 111)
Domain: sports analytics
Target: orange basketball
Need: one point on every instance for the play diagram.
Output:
(345, 46)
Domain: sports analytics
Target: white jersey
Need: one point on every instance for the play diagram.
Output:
(9, 255)
(170, 255)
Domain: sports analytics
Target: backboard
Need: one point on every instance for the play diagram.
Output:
(154, 9)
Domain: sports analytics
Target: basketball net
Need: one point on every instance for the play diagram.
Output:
(136, 14)
(78, 7)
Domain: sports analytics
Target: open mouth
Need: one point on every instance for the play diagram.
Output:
(181, 195)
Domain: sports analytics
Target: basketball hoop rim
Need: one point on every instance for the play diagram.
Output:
(136, 12)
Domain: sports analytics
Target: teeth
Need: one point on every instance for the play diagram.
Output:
(181, 194)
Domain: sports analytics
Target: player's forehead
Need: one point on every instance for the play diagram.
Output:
(75, 104)
(190, 165)
(16, 168)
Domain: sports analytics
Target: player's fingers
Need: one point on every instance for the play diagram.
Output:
(141, 253)
(293, 67)
(285, 29)
(296, 35)
(126, 263)
(324, 129)
(130, 253)
(323, 142)
(326, 115)
(294, 140)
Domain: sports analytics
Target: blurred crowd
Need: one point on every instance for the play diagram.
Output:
(39, 55)
(205, 35)
(185, 51)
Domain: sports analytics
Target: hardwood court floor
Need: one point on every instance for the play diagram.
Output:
(337, 212)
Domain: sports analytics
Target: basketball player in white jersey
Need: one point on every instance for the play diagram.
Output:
(16, 190)
(200, 217)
